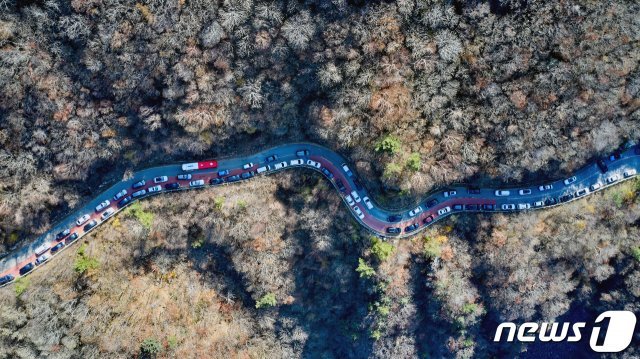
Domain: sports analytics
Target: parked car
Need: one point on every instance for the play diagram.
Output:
(232, 178)
(602, 166)
(120, 195)
(349, 200)
(154, 189)
(582, 192)
(216, 181)
(42, 248)
(428, 219)
(138, 184)
(341, 186)
(613, 178)
(629, 173)
(297, 162)
(43, 258)
(83, 219)
(471, 207)
(615, 156)
(346, 170)
(26, 269)
(443, 211)
(355, 196)
(302, 153)
(488, 207)
(263, 169)
(545, 187)
(450, 193)
(90, 225)
(280, 165)
(522, 206)
(271, 158)
(367, 202)
(104, 204)
(538, 203)
(139, 193)
(550, 201)
(358, 212)
(124, 201)
(60, 236)
(524, 192)
(184, 176)
(457, 207)
(502, 193)
(223, 173)
(431, 203)
(327, 173)
(566, 197)
(394, 218)
(160, 179)
(57, 247)
(172, 186)
(411, 227)
(570, 180)
(595, 186)
(6, 279)
(196, 183)
(413, 212)
(393, 230)
(313, 163)
(71, 238)
(473, 190)
(508, 207)
(246, 175)
(246, 166)
(106, 214)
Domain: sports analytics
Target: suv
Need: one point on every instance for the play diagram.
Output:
(90, 225)
(411, 227)
(6, 279)
(602, 166)
(393, 230)
(415, 211)
(71, 238)
(355, 196)
(124, 201)
(60, 236)
(26, 269)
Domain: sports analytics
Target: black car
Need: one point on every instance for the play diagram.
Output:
(302, 153)
(232, 178)
(174, 185)
(471, 207)
(71, 238)
(358, 184)
(457, 207)
(272, 158)
(394, 218)
(474, 190)
(57, 247)
(566, 197)
(215, 181)
(184, 176)
(340, 185)
(427, 220)
(411, 227)
(90, 225)
(247, 175)
(139, 184)
(550, 201)
(432, 203)
(6, 279)
(602, 166)
(60, 236)
(488, 207)
(327, 173)
(393, 230)
(124, 201)
(26, 269)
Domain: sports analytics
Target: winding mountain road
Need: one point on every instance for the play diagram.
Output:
(439, 204)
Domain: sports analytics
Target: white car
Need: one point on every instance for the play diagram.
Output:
(103, 205)
(120, 195)
(570, 180)
(160, 179)
(524, 206)
(297, 162)
(524, 192)
(349, 200)
(582, 192)
(43, 258)
(507, 207)
(280, 165)
(196, 183)
(546, 187)
(450, 193)
(263, 169)
(106, 214)
(538, 204)
(313, 163)
(444, 210)
(613, 179)
(502, 193)
(367, 202)
(413, 212)
(246, 166)
(139, 193)
(629, 173)
(42, 248)
(154, 189)
(82, 220)
(355, 196)
(595, 186)
(358, 212)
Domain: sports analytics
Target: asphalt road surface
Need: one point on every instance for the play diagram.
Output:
(437, 205)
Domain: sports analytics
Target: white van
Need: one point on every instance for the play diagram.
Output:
(263, 169)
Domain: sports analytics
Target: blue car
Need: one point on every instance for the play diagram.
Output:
(57, 247)
(327, 173)
(233, 178)
(215, 181)
(72, 238)
(223, 173)
(171, 186)
(6, 279)
(411, 227)
(247, 175)
(124, 201)
(60, 236)
(26, 269)
(139, 184)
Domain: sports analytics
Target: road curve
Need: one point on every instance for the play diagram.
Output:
(437, 205)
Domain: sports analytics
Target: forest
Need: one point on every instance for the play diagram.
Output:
(416, 94)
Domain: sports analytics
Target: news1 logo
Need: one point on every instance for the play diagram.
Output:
(611, 332)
